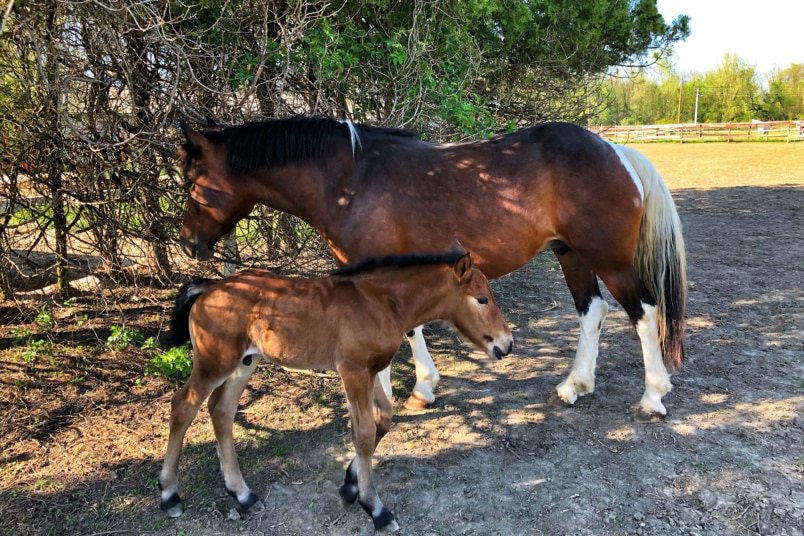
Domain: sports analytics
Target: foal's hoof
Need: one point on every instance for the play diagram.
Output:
(415, 403)
(348, 493)
(385, 522)
(642, 416)
(255, 508)
(554, 400)
(172, 506)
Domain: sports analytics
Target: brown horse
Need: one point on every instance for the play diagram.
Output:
(603, 210)
(351, 322)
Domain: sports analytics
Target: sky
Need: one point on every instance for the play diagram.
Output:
(765, 33)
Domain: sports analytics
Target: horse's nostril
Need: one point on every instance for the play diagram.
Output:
(487, 338)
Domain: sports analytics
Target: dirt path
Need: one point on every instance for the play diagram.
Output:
(490, 457)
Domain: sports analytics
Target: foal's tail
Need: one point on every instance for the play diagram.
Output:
(660, 258)
(180, 318)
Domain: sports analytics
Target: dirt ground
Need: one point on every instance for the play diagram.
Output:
(83, 430)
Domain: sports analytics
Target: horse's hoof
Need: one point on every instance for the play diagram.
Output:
(415, 403)
(348, 493)
(255, 508)
(393, 526)
(554, 400)
(641, 416)
(172, 506)
(385, 522)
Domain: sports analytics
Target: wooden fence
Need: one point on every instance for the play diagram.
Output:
(756, 131)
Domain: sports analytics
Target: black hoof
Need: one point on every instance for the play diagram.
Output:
(172, 506)
(556, 401)
(385, 521)
(252, 505)
(348, 493)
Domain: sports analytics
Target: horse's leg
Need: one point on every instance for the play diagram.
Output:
(357, 485)
(628, 289)
(426, 374)
(184, 407)
(592, 310)
(222, 408)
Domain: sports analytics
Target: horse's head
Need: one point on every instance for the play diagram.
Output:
(215, 202)
(475, 311)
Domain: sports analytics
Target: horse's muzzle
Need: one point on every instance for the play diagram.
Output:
(499, 353)
(195, 250)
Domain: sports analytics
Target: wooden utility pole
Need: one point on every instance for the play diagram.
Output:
(680, 92)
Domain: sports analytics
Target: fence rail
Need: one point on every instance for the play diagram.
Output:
(756, 130)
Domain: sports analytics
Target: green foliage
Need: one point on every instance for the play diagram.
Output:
(733, 92)
(122, 338)
(174, 363)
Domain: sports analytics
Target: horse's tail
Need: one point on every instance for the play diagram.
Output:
(660, 258)
(180, 318)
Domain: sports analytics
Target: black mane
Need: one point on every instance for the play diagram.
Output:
(400, 261)
(251, 146)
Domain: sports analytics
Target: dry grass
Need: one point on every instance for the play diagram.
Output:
(724, 165)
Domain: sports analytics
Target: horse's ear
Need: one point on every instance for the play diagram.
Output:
(462, 266)
(196, 141)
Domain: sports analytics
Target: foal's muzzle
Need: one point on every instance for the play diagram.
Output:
(499, 353)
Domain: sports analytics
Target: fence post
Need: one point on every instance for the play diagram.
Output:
(230, 253)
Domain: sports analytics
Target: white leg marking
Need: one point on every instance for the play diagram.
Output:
(426, 374)
(657, 381)
(581, 379)
(384, 377)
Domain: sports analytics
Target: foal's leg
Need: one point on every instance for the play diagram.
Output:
(426, 374)
(592, 310)
(222, 408)
(357, 484)
(628, 289)
(184, 407)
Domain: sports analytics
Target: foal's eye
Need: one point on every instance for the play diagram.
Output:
(482, 300)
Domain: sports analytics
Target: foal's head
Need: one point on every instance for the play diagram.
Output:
(475, 312)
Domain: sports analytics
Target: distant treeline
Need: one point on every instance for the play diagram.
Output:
(733, 92)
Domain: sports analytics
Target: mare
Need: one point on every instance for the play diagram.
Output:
(602, 209)
(351, 322)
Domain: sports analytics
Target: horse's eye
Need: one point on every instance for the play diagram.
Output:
(483, 300)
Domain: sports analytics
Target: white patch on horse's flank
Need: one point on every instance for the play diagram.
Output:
(631, 170)
(355, 135)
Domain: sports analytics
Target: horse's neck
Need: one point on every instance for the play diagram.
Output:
(416, 299)
(303, 190)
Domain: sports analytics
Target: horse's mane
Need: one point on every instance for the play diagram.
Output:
(283, 141)
(399, 261)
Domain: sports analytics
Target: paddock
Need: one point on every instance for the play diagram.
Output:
(81, 449)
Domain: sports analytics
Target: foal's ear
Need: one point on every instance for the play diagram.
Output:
(462, 266)
(196, 142)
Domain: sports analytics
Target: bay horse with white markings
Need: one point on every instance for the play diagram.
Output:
(351, 322)
(603, 210)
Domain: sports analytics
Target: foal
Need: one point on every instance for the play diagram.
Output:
(352, 321)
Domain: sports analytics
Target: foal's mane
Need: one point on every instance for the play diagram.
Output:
(399, 261)
(283, 141)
